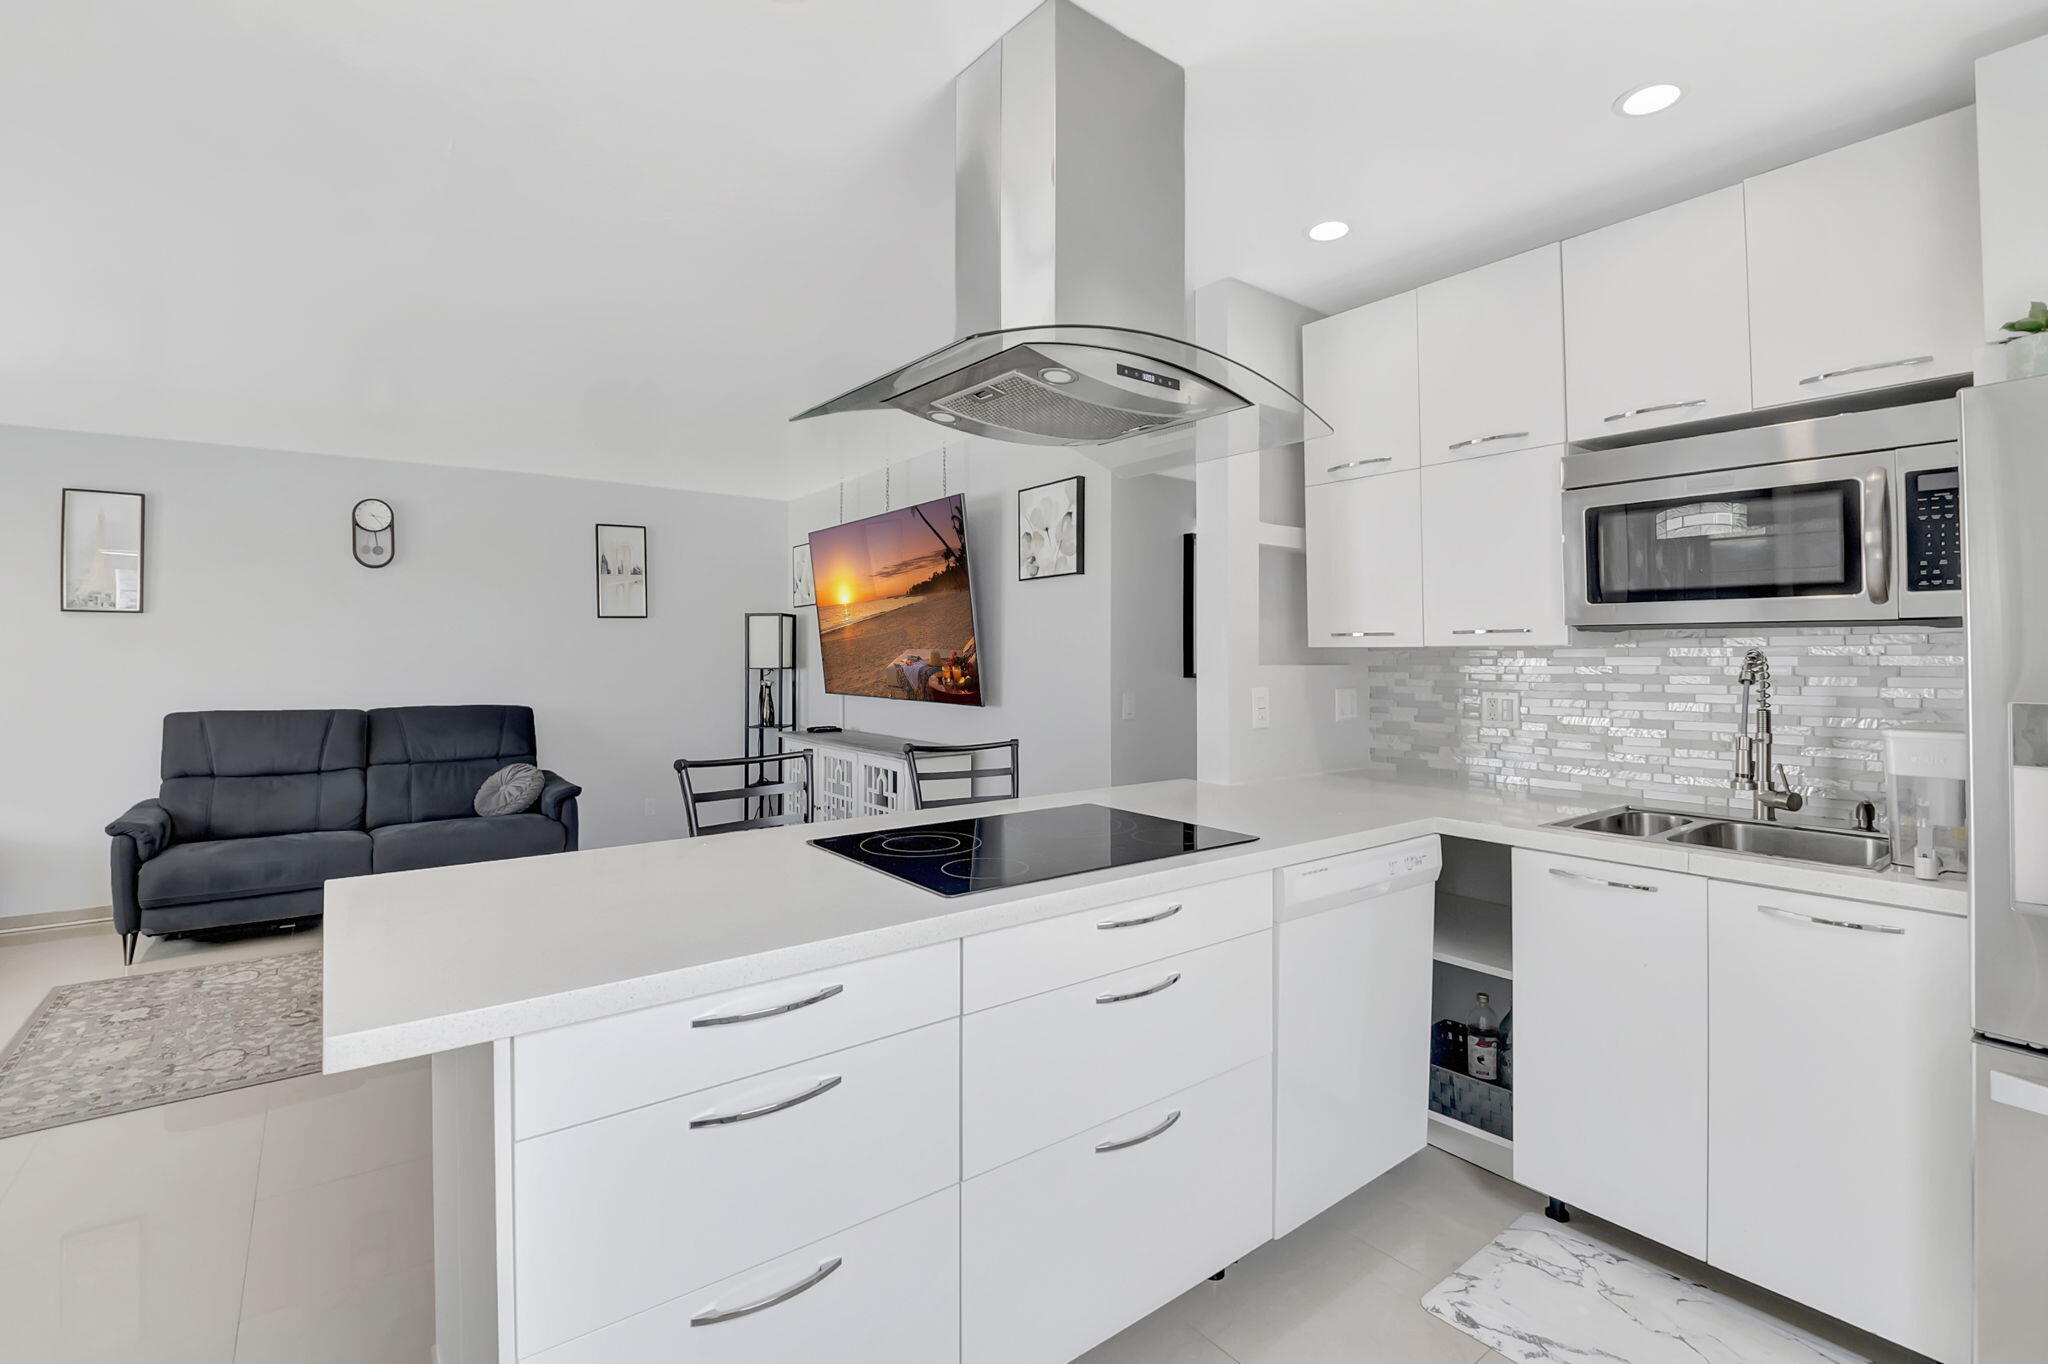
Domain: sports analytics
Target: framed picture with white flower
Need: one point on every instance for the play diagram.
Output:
(1052, 530)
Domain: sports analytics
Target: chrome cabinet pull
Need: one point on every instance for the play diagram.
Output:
(1866, 369)
(1515, 630)
(1359, 463)
(1600, 880)
(803, 1285)
(1166, 913)
(1655, 407)
(1877, 536)
(826, 1085)
(1361, 634)
(1104, 1147)
(1138, 994)
(1500, 435)
(720, 1020)
(1830, 923)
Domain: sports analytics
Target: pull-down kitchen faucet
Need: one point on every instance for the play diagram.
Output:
(1770, 789)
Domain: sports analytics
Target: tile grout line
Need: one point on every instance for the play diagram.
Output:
(249, 1238)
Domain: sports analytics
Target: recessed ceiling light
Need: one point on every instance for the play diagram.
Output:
(1328, 232)
(1647, 99)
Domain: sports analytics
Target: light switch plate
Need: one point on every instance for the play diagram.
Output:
(1500, 708)
(1262, 707)
(1130, 706)
(1347, 703)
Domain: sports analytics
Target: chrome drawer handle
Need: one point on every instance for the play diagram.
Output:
(1515, 630)
(1166, 913)
(826, 1085)
(803, 1285)
(1600, 880)
(1865, 369)
(720, 1020)
(1830, 923)
(1482, 440)
(1655, 407)
(1138, 994)
(1104, 1147)
(1361, 634)
(1359, 463)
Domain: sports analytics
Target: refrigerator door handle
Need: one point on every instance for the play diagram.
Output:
(2014, 1092)
(1877, 536)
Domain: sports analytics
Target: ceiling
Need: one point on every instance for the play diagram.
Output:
(625, 239)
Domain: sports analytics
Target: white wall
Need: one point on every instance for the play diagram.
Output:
(1048, 666)
(253, 601)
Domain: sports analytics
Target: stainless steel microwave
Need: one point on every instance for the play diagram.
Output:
(1856, 517)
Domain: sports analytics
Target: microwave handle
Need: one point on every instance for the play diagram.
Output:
(1877, 536)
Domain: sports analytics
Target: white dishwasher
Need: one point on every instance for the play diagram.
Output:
(1352, 1001)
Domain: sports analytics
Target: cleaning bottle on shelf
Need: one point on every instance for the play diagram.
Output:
(1482, 1044)
(1507, 1050)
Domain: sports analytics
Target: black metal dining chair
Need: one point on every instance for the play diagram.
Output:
(789, 796)
(924, 760)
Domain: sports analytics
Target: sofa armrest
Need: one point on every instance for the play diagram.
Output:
(148, 825)
(558, 802)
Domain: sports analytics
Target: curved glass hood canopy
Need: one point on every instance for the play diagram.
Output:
(1142, 399)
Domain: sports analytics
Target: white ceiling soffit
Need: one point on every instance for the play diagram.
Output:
(627, 239)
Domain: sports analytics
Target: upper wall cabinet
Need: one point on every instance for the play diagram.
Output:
(1365, 563)
(1865, 265)
(1492, 551)
(1358, 373)
(1492, 358)
(1656, 319)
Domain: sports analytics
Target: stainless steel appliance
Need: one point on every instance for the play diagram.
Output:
(2005, 486)
(1853, 517)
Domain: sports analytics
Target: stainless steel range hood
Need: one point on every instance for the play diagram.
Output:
(1069, 266)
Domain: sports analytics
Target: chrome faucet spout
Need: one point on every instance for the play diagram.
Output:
(1755, 772)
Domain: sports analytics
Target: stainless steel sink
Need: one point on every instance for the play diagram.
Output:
(1836, 847)
(1633, 823)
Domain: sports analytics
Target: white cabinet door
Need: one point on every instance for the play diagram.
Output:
(1353, 998)
(1493, 550)
(1358, 373)
(1611, 1043)
(1656, 319)
(2012, 166)
(1061, 1250)
(1839, 1145)
(1364, 543)
(1491, 347)
(1865, 264)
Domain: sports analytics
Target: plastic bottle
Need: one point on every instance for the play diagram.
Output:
(1482, 1044)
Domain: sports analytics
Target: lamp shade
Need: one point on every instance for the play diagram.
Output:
(771, 640)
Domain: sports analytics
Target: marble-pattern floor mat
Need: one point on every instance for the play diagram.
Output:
(110, 1046)
(1542, 1293)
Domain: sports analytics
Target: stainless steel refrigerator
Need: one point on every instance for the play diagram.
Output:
(2005, 581)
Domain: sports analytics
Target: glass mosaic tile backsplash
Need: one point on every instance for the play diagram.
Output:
(1650, 715)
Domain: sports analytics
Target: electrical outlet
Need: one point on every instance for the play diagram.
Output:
(651, 808)
(1347, 703)
(1262, 707)
(1130, 707)
(1500, 708)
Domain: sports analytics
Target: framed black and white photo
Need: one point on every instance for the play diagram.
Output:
(100, 554)
(621, 572)
(1052, 530)
(803, 588)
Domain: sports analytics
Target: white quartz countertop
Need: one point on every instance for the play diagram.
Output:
(426, 961)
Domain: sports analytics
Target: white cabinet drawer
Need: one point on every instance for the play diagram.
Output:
(586, 1070)
(886, 1289)
(1014, 962)
(618, 1215)
(1064, 1248)
(1043, 1068)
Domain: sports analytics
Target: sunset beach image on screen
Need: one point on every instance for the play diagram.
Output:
(895, 617)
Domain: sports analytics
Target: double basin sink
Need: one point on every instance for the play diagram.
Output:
(1831, 847)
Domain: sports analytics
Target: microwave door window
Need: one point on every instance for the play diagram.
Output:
(1801, 541)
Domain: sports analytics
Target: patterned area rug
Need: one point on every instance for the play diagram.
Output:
(110, 1046)
(1545, 1294)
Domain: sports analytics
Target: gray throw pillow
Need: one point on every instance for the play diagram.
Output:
(510, 789)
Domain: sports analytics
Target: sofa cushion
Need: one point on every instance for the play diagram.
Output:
(510, 790)
(248, 773)
(230, 868)
(426, 762)
(451, 842)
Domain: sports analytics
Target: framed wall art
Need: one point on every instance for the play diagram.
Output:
(803, 588)
(100, 551)
(1052, 530)
(621, 572)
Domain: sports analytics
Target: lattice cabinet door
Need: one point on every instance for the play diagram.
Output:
(836, 777)
(883, 787)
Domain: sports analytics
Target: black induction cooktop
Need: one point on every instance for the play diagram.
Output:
(961, 856)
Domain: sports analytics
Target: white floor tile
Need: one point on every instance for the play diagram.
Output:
(390, 1321)
(327, 1127)
(13, 1155)
(322, 1246)
(1159, 1339)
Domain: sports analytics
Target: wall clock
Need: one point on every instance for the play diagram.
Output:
(373, 532)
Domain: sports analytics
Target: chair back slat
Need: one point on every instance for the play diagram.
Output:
(925, 770)
(789, 789)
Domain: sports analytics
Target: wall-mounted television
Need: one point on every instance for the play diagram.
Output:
(895, 616)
